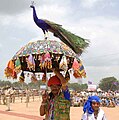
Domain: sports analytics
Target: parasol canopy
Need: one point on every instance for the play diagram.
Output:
(42, 56)
(43, 46)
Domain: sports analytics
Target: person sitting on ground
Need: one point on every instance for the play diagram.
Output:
(111, 103)
(56, 104)
(92, 110)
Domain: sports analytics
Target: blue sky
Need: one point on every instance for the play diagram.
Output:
(96, 20)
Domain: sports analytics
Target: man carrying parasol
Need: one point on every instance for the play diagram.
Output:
(56, 104)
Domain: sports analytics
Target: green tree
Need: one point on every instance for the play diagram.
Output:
(109, 84)
(36, 85)
(16, 84)
(5, 83)
(78, 87)
(83, 87)
(20, 85)
(74, 86)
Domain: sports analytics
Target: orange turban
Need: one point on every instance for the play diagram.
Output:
(54, 80)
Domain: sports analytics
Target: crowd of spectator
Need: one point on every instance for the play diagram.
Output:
(108, 99)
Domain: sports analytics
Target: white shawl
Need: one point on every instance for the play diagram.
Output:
(101, 116)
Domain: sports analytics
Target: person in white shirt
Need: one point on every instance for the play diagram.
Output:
(92, 110)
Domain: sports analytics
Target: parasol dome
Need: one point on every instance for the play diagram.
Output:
(41, 56)
(41, 46)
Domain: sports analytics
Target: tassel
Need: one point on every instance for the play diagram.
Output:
(33, 78)
(41, 58)
(38, 75)
(14, 75)
(50, 75)
(44, 78)
(70, 71)
(22, 77)
(76, 74)
(27, 74)
(67, 76)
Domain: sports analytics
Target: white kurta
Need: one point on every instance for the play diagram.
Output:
(101, 116)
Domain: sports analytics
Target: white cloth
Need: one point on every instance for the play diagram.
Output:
(101, 116)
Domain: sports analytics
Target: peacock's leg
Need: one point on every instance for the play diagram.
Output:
(46, 35)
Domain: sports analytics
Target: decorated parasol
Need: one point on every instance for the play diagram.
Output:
(42, 56)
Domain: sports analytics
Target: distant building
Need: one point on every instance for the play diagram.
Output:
(92, 87)
(43, 87)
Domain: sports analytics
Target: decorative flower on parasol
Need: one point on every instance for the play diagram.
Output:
(41, 56)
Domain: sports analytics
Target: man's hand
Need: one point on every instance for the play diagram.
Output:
(55, 69)
(45, 96)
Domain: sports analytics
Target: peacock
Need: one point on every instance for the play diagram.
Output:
(76, 43)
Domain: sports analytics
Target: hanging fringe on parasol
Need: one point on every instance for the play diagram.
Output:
(10, 70)
(17, 65)
(67, 76)
(78, 68)
(44, 78)
(33, 78)
(31, 63)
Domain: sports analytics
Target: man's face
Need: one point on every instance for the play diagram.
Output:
(95, 105)
(55, 89)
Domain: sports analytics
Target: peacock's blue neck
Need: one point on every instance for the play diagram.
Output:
(34, 15)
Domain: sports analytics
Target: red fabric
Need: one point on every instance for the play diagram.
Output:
(54, 80)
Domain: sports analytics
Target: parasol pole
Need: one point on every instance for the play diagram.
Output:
(47, 40)
(46, 78)
(46, 68)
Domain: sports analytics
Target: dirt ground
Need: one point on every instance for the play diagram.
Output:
(30, 111)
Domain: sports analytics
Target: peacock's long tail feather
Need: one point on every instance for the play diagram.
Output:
(76, 43)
